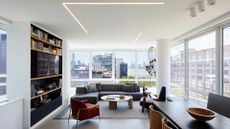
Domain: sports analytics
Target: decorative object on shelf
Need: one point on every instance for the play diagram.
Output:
(201, 114)
(151, 68)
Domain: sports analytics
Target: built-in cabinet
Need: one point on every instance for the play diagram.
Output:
(46, 73)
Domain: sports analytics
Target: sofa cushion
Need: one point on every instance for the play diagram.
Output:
(90, 97)
(136, 88)
(81, 90)
(91, 88)
(111, 87)
(127, 88)
(99, 87)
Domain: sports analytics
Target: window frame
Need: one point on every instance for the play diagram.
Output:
(4, 96)
(113, 79)
(217, 68)
(218, 28)
(221, 39)
(184, 49)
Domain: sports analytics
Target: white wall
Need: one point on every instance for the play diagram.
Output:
(18, 73)
(18, 66)
(11, 114)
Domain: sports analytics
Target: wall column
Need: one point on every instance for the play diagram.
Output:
(162, 65)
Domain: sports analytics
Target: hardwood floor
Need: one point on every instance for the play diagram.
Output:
(99, 124)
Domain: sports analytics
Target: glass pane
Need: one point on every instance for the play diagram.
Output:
(142, 61)
(80, 65)
(126, 82)
(202, 71)
(177, 76)
(147, 84)
(197, 96)
(3, 39)
(125, 65)
(102, 65)
(226, 62)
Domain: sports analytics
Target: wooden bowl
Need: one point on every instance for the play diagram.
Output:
(201, 114)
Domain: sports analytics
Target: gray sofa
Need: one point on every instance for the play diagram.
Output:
(94, 92)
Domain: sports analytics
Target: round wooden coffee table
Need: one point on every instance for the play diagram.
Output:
(113, 99)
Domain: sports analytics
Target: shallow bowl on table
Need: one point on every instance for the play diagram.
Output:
(201, 114)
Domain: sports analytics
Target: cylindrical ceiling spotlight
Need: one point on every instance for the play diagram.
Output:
(211, 2)
(201, 6)
(193, 12)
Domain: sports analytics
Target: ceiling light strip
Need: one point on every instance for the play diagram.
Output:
(138, 36)
(112, 3)
(75, 18)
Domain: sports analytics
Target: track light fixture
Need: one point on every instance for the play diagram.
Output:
(193, 12)
(211, 2)
(201, 6)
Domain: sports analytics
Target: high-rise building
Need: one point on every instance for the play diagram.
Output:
(123, 70)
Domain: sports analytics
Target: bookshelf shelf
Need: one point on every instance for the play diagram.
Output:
(45, 52)
(46, 77)
(45, 93)
(43, 41)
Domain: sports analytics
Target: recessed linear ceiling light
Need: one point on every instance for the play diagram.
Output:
(138, 36)
(112, 3)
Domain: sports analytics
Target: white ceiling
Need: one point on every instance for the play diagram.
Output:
(115, 26)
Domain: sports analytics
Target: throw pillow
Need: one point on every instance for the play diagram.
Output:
(91, 88)
(138, 88)
(99, 87)
(81, 90)
(134, 87)
(127, 88)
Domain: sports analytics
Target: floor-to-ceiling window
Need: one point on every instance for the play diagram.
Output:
(102, 64)
(177, 70)
(143, 77)
(109, 66)
(3, 80)
(202, 66)
(80, 65)
(226, 61)
(125, 65)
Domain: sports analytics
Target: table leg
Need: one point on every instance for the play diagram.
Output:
(143, 104)
(130, 102)
(112, 105)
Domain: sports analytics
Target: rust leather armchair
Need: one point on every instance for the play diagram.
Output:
(81, 110)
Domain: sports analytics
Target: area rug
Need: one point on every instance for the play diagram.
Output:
(122, 111)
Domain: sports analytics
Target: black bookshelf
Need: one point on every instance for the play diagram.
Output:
(46, 73)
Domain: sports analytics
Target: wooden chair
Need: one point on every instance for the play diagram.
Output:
(155, 118)
(81, 110)
(164, 124)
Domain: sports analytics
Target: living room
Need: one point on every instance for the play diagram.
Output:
(114, 64)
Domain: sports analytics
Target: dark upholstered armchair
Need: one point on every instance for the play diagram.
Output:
(147, 100)
(81, 110)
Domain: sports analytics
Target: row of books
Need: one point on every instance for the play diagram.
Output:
(46, 48)
(47, 64)
(46, 37)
